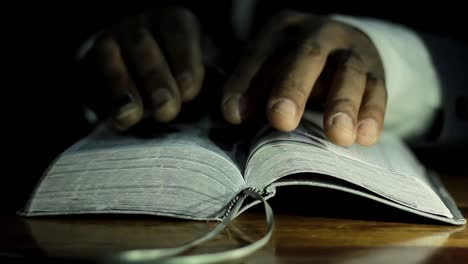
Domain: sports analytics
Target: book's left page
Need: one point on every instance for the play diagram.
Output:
(179, 172)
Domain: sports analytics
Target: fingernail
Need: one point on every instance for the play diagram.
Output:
(343, 122)
(122, 100)
(161, 97)
(123, 106)
(283, 106)
(234, 106)
(185, 82)
(368, 128)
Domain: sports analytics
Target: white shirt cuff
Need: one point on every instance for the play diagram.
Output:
(412, 83)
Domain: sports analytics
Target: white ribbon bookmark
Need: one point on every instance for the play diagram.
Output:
(171, 255)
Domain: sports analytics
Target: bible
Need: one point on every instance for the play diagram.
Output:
(201, 170)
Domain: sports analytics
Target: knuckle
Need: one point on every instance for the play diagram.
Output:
(376, 86)
(118, 81)
(331, 28)
(354, 63)
(375, 81)
(293, 89)
(153, 74)
(154, 77)
(373, 109)
(346, 105)
(311, 48)
(318, 26)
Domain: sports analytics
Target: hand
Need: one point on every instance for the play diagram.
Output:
(298, 57)
(152, 61)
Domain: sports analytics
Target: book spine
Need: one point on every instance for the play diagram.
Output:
(244, 193)
(230, 206)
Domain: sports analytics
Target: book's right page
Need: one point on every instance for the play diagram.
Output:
(387, 172)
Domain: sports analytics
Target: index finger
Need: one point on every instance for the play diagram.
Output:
(178, 31)
(304, 65)
(235, 99)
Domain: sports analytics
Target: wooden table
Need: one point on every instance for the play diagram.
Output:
(324, 228)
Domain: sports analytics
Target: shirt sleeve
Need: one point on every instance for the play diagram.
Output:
(426, 77)
(413, 86)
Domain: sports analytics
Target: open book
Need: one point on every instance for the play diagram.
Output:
(198, 171)
(195, 170)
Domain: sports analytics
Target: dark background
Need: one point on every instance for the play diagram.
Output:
(42, 103)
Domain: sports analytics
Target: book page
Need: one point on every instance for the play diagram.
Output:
(390, 154)
(388, 168)
(181, 172)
